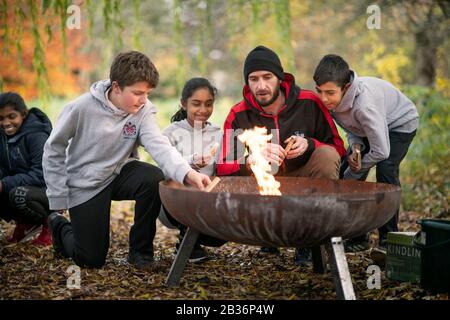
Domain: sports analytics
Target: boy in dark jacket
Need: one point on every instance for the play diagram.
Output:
(22, 188)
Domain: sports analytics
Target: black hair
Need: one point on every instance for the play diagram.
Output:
(12, 99)
(332, 68)
(189, 88)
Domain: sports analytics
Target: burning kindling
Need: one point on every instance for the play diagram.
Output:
(256, 139)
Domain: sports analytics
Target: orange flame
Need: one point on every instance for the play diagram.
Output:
(256, 139)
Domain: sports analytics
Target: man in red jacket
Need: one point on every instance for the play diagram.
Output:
(273, 100)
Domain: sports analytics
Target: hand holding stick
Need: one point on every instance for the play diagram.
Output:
(213, 183)
(296, 146)
(214, 149)
(355, 158)
(289, 145)
(358, 157)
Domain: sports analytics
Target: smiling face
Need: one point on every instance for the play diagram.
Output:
(265, 87)
(199, 106)
(131, 98)
(11, 120)
(331, 94)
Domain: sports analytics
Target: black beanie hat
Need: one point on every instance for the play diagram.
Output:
(262, 58)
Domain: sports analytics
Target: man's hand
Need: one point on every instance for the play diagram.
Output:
(201, 160)
(354, 159)
(298, 147)
(274, 153)
(197, 179)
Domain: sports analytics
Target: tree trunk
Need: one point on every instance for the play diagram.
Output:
(426, 57)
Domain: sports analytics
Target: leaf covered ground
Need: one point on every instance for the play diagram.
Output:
(234, 271)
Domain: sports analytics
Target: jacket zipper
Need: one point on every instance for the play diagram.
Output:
(275, 119)
(7, 152)
(283, 166)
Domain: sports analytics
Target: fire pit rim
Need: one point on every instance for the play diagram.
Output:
(184, 187)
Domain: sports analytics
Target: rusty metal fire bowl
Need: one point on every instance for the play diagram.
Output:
(308, 212)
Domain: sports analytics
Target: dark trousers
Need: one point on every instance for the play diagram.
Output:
(86, 238)
(388, 171)
(25, 205)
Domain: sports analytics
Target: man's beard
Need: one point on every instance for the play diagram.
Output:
(272, 100)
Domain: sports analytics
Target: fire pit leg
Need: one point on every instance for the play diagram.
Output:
(184, 251)
(318, 258)
(341, 274)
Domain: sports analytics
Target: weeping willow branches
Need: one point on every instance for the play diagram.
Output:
(195, 27)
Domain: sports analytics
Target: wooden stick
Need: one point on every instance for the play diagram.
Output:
(358, 157)
(213, 183)
(214, 149)
(289, 145)
(356, 148)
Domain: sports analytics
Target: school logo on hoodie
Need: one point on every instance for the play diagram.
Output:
(129, 130)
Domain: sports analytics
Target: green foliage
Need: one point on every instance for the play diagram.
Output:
(137, 44)
(39, 54)
(91, 8)
(178, 38)
(283, 27)
(390, 66)
(60, 7)
(426, 173)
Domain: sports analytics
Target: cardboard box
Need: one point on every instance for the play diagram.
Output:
(403, 258)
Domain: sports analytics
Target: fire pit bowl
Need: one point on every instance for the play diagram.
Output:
(308, 212)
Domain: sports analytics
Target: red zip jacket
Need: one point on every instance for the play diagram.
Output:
(303, 113)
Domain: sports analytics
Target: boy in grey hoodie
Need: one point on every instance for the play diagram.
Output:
(91, 158)
(380, 122)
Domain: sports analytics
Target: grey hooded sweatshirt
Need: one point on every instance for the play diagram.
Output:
(93, 140)
(372, 108)
(189, 142)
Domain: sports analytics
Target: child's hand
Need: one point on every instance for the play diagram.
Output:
(298, 147)
(196, 179)
(202, 160)
(353, 163)
(214, 149)
(354, 159)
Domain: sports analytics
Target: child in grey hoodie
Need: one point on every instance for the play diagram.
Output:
(91, 158)
(197, 140)
(380, 122)
(190, 133)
